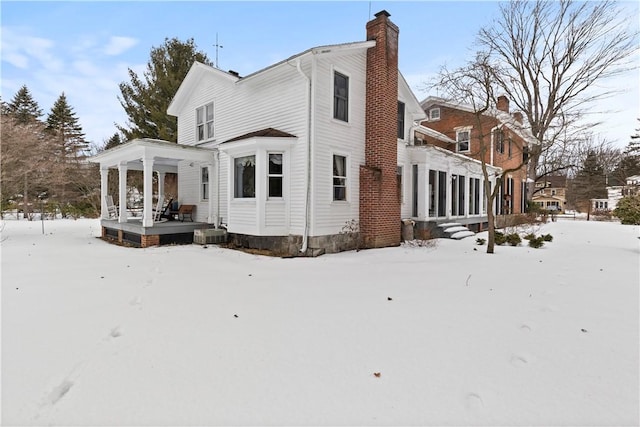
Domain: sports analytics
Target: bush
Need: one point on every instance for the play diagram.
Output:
(536, 242)
(628, 210)
(513, 239)
(481, 241)
(547, 237)
(529, 236)
(500, 238)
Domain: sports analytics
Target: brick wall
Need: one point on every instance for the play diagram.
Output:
(379, 205)
(451, 118)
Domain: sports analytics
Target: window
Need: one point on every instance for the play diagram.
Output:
(340, 97)
(339, 177)
(399, 183)
(509, 146)
(437, 193)
(204, 178)
(462, 136)
(274, 176)
(474, 196)
(400, 120)
(434, 114)
(499, 140)
(244, 181)
(204, 122)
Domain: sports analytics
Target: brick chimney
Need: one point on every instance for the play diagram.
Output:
(517, 116)
(379, 203)
(503, 103)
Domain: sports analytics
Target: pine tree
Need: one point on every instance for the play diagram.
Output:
(589, 183)
(62, 121)
(114, 141)
(146, 99)
(23, 107)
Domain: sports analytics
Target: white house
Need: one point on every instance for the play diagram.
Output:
(290, 157)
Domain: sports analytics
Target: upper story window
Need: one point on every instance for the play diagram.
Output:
(499, 140)
(400, 120)
(434, 114)
(244, 179)
(340, 97)
(339, 177)
(275, 175)
(510, 146)
(463, 137)
(204, 122)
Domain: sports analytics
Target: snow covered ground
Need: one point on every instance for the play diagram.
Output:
(96, 334)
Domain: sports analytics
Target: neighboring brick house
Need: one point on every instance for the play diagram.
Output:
(551, 193)
(503, 134)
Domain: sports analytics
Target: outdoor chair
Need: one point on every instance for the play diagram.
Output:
(112, 209)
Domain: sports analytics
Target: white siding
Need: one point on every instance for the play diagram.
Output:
(335, 137)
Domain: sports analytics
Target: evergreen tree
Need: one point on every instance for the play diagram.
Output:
(589, 183)
(23, 107)
(146, 99)
(114, 141)
(62, 121)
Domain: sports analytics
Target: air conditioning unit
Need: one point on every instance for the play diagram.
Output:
(209, 236)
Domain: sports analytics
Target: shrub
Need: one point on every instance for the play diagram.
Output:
(481, 241)
(513, 239)
(500, 238)
(536, 242)
(529, 236)
(547, 237)
(628, 210)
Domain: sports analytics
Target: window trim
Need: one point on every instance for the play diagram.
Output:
(458, 132)
(346, 177)
(347, 76)
(205, 122)
(233, 176)
(273, 175)
(204, 185)
(401, 120)
(432, 116)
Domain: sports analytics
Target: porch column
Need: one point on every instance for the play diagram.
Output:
(104, 189)
(212, 217)
(122, 192)
(161, 176)
(147, 174)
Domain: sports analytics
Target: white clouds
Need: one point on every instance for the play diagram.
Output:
(23, 50)
(117, 45)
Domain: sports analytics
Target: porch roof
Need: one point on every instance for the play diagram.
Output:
(165, 154)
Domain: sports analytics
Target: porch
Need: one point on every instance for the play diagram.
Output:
(133, 233)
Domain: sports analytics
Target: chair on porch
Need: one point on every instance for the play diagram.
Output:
(112, 209)
(157, 212)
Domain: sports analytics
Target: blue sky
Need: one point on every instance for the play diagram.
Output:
(85, 48)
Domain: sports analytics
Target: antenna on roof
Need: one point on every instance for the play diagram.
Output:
(217, 46)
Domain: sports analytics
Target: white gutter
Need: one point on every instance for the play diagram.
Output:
(305, 234)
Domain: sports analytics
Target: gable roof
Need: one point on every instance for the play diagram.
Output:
(504, 118)
(199, 69)
(268, 132)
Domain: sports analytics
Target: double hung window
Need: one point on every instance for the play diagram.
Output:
(339, 177)
(204, 122)
(340, 97)
(274, 176)
(244, 182)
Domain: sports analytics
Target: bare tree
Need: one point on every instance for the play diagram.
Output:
(26, 155)
(548, 57)
(474, 85)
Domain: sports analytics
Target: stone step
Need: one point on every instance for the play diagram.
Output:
(449, 224)
(462, 234)
(455, 229)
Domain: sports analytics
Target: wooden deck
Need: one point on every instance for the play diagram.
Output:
(161, 233)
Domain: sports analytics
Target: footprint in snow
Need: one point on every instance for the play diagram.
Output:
(115, 332)
(474, 401)
(60, 391)
(526, 328)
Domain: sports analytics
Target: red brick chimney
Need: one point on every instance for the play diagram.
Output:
(517, 116)
(379, 203)
(503, 103)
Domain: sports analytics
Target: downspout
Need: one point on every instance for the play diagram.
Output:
(216, 162)
(305, 234)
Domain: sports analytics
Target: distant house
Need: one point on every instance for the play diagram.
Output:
(290, 157)
(615, 193)
(551, 193)
(502, 133)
